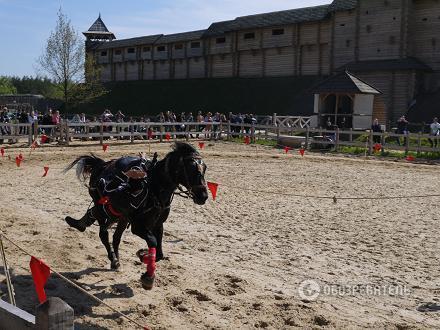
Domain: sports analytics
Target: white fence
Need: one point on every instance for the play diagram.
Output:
(67, 132)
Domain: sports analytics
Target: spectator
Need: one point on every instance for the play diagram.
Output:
(435, 132)
(402, 128)
(376, 128)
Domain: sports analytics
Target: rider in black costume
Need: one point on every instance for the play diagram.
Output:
(118, 193)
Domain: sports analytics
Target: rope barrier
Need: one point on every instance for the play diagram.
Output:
(2, 234)
(334, 198)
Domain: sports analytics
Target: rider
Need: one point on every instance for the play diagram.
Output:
(118, 193)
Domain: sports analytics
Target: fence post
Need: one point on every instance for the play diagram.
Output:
(101, 132)
(253, 133)
(370, 143)
(187, 133)
(407, 137)
(228, 133)
(67, 133)
(131, 132)
(419, 144)
(274, 119)
(307, 137)
(30, 138)
(161, 133)
(337, 139)
(351, 135)
(278, 133)
(53, 314)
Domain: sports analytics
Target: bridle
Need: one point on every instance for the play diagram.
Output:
(185, 189)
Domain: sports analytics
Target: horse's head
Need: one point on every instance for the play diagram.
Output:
(189, 170)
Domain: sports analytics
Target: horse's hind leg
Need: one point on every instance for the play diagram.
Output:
(122, 225)
(103, 235)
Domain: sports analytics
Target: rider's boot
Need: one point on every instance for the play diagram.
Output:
(86, 221)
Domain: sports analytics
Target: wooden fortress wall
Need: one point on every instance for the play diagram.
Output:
(375, 30)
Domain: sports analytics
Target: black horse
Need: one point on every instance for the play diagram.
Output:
(137, 192)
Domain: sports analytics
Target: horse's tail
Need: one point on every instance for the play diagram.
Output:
(85, 166)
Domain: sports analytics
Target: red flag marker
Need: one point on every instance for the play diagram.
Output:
(213, 188)
(20, 156)
(302, 152)
(44, 139)
(287, 149)
(46, 169)
(247, 140)
(201, 145)
(410, 158)
(18, 161)
(377, 147)
(168, 136)
(2, 151)
(34, 145)
(40, 274)
(105, 147)
(150, 134)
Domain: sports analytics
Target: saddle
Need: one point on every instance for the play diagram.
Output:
(123, 187)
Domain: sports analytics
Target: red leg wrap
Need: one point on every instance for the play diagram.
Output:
(150, 261)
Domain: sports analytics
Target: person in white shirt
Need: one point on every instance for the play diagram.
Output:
(434, 131)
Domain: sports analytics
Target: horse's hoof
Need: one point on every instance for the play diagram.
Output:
(141, 254)
(75, 224)
(147, 281)
(115, 265)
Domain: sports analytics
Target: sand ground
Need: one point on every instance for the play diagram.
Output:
(238, 262)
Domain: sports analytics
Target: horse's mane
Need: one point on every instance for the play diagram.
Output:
(184, 149)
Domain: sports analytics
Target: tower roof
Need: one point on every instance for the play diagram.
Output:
(98, 30)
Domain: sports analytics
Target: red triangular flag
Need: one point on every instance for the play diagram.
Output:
(20, 156)
(302, 151)
(18, 161)
(377, 147)
(287, 149)
(46, 169)
(247, 140)
(201, 145)
(105, 147)
(40, 274)
(43, 139)
(2, 151)
(213, 188)
(410, 158)
(167, 136)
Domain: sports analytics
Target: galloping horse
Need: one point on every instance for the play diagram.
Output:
(137, 192)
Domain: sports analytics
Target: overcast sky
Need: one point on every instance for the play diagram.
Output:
(26, 24)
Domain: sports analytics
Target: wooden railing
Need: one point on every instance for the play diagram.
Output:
(100, 131)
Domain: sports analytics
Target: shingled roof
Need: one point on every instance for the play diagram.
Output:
(409, 63)
(337, 5)
(219, 28)
(147, 40)
(292, 16)
(99, 30)
(345, 83)
(179, 37)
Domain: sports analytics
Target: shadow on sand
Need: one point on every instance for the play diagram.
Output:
(26, 297)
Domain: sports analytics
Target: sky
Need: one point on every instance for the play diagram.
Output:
(25, 25)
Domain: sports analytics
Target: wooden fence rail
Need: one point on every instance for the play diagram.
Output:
(66, 132)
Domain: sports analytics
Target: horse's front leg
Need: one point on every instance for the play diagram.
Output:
(148, 257)
(122, 225)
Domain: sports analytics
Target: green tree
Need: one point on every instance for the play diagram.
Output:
(6, 86)
(63, 58)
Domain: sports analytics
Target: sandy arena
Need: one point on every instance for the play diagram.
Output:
(238, 262)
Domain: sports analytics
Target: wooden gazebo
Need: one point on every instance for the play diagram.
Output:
(345, 101)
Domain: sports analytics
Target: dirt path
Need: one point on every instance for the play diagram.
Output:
(238, 262)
